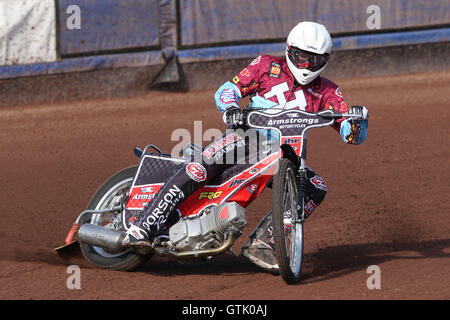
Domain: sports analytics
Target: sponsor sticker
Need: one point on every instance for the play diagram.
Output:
(143, 197)
(235, 182)
(275, 70)
(309, 207)
(255, 61)
(169, 201)
(196, 171)
(278, 122)
(245, 73)
(252, 188)
(209, 195)
(227, 96)
(318, 183)
(291, 141)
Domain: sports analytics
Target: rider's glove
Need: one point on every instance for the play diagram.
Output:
(231, 115)
(354, 131)
(359, 111)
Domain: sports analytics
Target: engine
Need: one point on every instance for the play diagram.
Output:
(208, 229)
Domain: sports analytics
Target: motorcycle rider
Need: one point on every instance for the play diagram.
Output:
(290, 82)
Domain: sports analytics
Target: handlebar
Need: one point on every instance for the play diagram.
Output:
(329, 115)
(337, 115)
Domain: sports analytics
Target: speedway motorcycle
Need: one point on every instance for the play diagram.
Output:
(213, 217)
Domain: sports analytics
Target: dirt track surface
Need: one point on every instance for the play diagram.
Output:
(387, 202)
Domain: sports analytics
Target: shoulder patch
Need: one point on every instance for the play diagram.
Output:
(245, 73)
(255, 61)
(274, 70)
(227, 96)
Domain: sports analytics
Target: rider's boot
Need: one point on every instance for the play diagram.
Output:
(260, 248)
(137, 239)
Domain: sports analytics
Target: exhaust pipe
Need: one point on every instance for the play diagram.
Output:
(99, 236)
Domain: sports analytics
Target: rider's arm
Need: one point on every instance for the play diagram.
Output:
(351, 131)
(243, 84)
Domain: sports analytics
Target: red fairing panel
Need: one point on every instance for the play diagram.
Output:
(141, 195)
(294, 142)
(242, 188)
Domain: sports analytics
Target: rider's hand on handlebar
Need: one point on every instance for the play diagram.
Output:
(360, 111)
(231, 115)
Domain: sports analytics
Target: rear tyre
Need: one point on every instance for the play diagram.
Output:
(112, 193)
(287, 230)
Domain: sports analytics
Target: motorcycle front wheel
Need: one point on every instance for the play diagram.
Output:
(111, 194)
(287, 229)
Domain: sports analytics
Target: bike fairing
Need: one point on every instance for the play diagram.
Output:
(148, 180)
(192, 176)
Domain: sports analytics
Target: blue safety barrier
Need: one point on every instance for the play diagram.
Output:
(122, 33)
(107, 25)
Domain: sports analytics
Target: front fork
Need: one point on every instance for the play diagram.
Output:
(302, 180)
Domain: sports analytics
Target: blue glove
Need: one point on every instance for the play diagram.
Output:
(354, 131)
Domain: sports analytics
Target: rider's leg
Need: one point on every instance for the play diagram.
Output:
(260, 247)
(162, 209)
(180, 186)
(316, 190)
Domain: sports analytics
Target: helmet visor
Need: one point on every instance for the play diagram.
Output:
(307, 60)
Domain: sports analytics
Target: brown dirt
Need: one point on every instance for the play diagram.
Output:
(387, 203)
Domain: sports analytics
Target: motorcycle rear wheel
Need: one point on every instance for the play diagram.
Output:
(111, 194)
(287, 230)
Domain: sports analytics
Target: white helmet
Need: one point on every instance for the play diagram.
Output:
(308, 48)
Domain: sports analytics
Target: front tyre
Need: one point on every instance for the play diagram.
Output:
(111, 194)
(287, 228)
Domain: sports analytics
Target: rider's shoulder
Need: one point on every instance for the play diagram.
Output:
(266, 59)
(325, 85)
